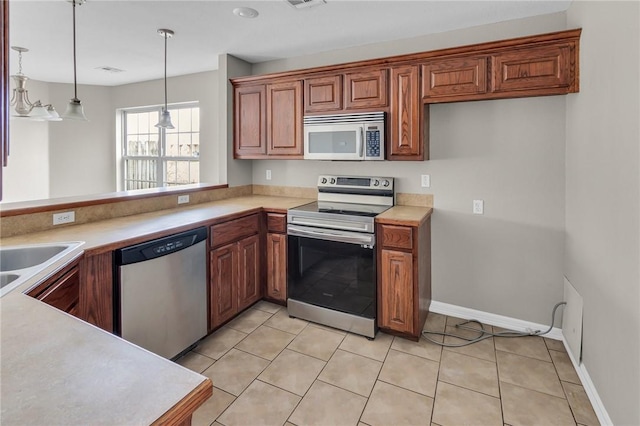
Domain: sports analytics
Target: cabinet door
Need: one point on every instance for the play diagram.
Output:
(248, 271)
(535, 68)
(249, 127)
(63, 293)
(366, 89)
(224, 284)
(405, 138)
(284, 119)
(454, 78)
(396, 291)
(323, 94)
(277, 267)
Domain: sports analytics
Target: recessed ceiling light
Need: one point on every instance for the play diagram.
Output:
(245, 12)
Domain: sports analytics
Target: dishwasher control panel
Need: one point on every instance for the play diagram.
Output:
(167, 248)
(160, 247)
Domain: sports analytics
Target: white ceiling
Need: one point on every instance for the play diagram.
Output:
(122, 34)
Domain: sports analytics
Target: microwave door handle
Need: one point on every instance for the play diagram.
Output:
(360, 154)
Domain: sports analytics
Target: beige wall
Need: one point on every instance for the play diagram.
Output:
(510, 153)
(71, 158)
(237, 172)
(81, 153)
(201, 87)
(26, 176)
(602, 253)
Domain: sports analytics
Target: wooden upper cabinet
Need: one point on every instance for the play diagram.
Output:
(323, 94)
(539, 70)
(284, 119)
(405, 137)
(366, 89)
(250, 127)
(454, 78)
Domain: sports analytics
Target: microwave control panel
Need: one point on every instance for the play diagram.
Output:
(374, 143)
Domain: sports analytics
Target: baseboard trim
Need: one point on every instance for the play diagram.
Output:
(590, 389)
(493, 319)
(520, 325)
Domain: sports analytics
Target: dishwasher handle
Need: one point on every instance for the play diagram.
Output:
(159, 247)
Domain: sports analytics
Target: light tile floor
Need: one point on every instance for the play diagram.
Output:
(269, 369)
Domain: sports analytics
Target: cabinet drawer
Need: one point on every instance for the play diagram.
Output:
(234, 230)
(277, 222)
(454, 77)
(400, 237)
(532, 68)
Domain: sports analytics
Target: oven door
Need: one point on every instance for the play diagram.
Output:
(334, 142)
(332, 269)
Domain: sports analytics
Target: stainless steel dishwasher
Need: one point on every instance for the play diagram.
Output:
(160, 293)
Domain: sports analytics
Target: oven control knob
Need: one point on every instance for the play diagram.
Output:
(376, 182)
(324, 180)
(385, 183)
(333, 180)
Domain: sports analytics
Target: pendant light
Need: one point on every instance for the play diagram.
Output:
(23, 107)
(165, 117)
(74, 109)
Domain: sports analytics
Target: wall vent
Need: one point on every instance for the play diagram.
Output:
(110, 69)
(303, 4)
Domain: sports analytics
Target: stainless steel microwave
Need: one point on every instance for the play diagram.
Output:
(344, 136)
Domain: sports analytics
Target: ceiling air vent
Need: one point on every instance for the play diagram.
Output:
(110, 69)
(303, 4)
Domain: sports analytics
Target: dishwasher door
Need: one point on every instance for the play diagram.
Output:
(162, 293)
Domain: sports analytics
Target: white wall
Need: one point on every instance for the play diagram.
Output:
(26, 176)
(602, 257)
(510, 153)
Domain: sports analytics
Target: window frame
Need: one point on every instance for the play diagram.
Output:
(161, 158)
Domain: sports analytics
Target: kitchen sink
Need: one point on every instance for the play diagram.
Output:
(15, 258)
(19, 263)
(7, 278)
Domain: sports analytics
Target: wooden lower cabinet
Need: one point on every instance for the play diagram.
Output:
(404, 277)
(277, 267)
(248, 272)
(61, 291)
(224, 283)
(235, 268)
(396, 289)
(235, 279)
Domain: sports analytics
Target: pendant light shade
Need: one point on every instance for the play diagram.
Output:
(165, 117)
(74, 109)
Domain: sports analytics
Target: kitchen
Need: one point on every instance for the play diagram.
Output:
(539, 222)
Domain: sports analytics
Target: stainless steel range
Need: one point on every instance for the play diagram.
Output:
(331, 253)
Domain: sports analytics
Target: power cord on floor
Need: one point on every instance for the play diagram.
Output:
(485, 334)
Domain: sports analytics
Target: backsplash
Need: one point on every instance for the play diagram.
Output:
(42, 221)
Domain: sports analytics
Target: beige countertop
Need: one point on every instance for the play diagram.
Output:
(57, 369)
(123, 231)
(405, 215)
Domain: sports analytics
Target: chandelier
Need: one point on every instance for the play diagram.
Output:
(20, 102)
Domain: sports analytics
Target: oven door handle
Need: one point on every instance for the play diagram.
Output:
(332, 236)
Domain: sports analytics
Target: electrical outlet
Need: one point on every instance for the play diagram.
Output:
(268, 175)
(182, 199)
(478, 207)
(426, 181)
(66, 217)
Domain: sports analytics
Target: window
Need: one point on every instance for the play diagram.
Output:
(154, 157)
